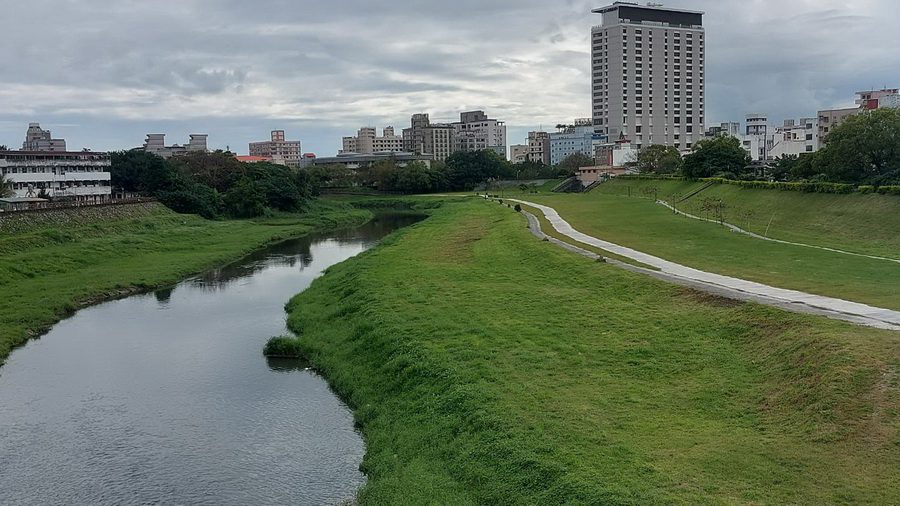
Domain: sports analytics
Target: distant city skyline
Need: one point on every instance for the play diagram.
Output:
(320, 72)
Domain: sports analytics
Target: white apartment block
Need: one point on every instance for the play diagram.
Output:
(518, 153)
(278, 148)
(475, 132)
(795, 138)
(367, 142)
(648, 75)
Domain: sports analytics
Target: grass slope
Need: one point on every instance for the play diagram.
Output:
(49, 272)
(487, 367)
(868, 224)
(641, 224)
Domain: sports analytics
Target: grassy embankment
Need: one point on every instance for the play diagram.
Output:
(860, 223)
(49, 268)
(487, 367)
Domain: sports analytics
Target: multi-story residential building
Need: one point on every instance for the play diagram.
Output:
(83, 176)
(518, 153)
(571, 139)
(756, 138)
(156, 144)
(877, 99)
(648, 74)
(358, 161)
(475, 132)
(38, 139)
(278, 148)
(830, 118)
(795, 138)
(732, 128)
(367, 142)
(426, 138)
(539, 147)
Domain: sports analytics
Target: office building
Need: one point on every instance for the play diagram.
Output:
(278, 148)
(476, 132)
(426, 138)
(579, 137)
(367, 142)
(539, 147)
(156, 144)
(648, 74)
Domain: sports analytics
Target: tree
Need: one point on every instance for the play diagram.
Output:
(659, 159)
(188, 197)
(719, 156)
(246, 199)
(863, 149)
(784, 167)
(139, 171)
(572, 163)
(6, 188)
(218, 170)
(467, 169)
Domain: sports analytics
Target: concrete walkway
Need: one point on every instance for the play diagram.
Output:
(724, 285)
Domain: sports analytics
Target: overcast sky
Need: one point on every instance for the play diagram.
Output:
(102, 74)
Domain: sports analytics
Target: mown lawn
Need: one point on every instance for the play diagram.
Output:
(868, 224)
(487, 367)
(641, 224)
(49, 272)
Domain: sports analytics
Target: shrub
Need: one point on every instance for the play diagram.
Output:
(866, 189)
(283, 346)
(518, 208)
(889, 190)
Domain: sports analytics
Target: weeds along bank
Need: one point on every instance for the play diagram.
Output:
(862, 223)
(487, 367)
(56, 263)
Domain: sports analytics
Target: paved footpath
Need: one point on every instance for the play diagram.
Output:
(732, 287)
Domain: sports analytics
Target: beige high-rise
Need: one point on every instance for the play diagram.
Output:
(648, 75)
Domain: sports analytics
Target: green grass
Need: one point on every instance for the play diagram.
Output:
(641, 224)
(868, 224)
(47, 273)
(487, 367)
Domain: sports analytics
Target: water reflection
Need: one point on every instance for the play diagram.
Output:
(165, 398)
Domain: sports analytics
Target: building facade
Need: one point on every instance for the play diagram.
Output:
(648, 77)
(38, 139)
(278, 148)
(358, 161)
(518, 153)
(367, 142)
(82, 176)
(830, 118)
(156, 144)
(580, 137)
(877, 99)
(476, 132)
(539, 147)
(426, 138)
(795, 138)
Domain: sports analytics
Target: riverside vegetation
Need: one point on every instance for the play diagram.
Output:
(487, 367)
(50, 269)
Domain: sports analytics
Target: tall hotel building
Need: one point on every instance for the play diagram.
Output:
(648, 75)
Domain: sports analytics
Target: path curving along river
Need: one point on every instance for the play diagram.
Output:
(165, 398)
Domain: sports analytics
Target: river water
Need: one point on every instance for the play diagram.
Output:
(165, 398)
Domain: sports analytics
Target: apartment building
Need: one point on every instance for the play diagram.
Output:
(795, 138)
(476, 132)
(518, 153)
(830, 118)
(426, 138)
(579, 137)
(278, 148)
(877, 99)
(38, 139)
(83, 176)
(648, 74)
(156, 144)
(539, 147)
(367, 142)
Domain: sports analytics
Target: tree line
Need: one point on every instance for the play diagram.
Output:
(862, 150)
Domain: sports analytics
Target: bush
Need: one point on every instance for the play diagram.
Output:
(246, 199)
(889, 190)
(518, 208)
(192, 198)
(866, 189)
(283, 346)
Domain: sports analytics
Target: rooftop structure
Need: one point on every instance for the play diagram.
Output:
(156, 144)
(38, 139)
(278, 148)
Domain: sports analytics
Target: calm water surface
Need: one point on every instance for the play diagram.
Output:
(166, 398)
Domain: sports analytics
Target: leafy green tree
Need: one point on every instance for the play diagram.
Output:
(719, 156)
(218, 170)
(572, 163)
(246, 199)
(468, 169)
(285, 189)
(806, 168)
(659, 159)
(784, 167)
(415, 177)
(139, 171)
(188, 197)
(864, 149)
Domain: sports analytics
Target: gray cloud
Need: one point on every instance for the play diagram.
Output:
(236, 69)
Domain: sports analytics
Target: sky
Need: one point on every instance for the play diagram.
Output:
(103, 74)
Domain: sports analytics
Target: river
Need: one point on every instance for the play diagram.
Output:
(166, 398)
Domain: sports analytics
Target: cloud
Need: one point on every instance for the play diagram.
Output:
(237, 69)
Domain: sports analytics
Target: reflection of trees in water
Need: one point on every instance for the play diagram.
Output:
(163, 296)
(298, 251)
(287, 364)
